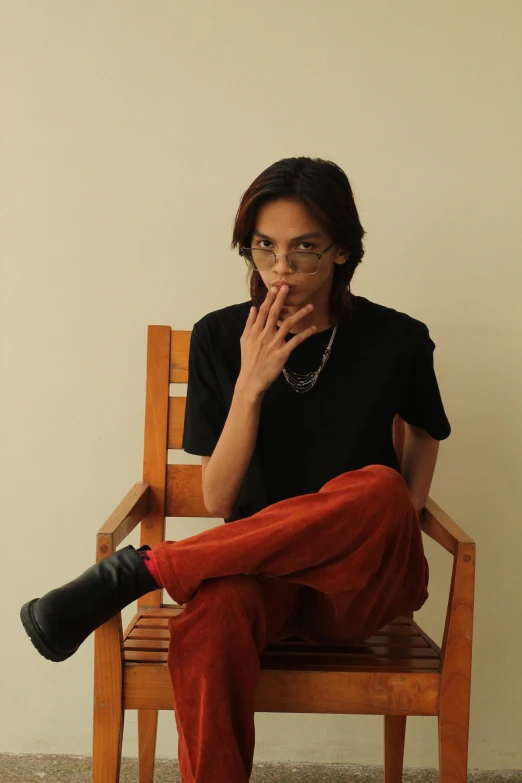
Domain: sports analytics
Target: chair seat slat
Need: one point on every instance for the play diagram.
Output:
(379, 640)
(347, 654)
(370, 663)
(400, 642)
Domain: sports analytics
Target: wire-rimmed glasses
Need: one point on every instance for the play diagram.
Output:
(301, 262)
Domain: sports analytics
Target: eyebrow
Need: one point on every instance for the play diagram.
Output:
(310, 235)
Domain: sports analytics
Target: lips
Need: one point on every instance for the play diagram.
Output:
(279, 285)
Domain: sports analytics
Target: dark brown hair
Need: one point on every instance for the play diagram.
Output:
(324, 189)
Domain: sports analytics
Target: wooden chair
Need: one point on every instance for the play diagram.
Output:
(398, 672)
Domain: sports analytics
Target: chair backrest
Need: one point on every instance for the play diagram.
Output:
(176, 489)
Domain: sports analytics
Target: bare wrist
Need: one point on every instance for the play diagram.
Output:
(246, 393)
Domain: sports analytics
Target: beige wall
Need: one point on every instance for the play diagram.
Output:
(129, 132)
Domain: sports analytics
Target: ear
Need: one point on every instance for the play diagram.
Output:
(342, 256)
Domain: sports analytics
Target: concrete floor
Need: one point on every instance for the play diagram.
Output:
(74, 769)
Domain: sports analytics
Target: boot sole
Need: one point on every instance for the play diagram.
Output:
(33, 631)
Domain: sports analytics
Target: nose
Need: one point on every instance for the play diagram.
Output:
(281, 266)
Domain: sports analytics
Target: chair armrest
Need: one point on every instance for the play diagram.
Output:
(458, 630)
(129, 513)
(442, 529)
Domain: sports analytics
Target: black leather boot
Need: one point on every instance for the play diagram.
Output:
(62, 619)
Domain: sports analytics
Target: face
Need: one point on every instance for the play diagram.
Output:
(285, 226)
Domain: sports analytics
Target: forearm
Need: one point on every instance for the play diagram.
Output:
(230, 459)
(418, 464)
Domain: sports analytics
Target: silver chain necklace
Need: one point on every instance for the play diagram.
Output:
(304, 382)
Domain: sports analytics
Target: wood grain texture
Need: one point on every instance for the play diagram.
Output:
(177, 407)
(147, 734)
(185, 492)
(394, 736)
(359, 693)
(147, 629)
(108, 702)
(179, 355)
(155, 443)
(454, 704)
(125, 517)
(390, 651)
(391, 647)
(442, 529)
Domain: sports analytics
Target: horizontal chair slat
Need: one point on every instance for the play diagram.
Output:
(358, 663)
(169, 610)
(322, 654)
(313, 663)
(160, 612)
(362, 649)
(132, 643)
(352, 654)
(148, 686)
(404, 633)
(385, 640)
(399, 642)
(145, 656)
(184, 495)
(154, 623)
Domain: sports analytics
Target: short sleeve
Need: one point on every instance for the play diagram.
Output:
(205, 411)
(420, 401)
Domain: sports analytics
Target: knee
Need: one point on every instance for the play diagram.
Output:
(390, 485)
(230, 591)
(388, 477)
(220, 603)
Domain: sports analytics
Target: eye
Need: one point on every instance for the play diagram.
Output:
(259, 242)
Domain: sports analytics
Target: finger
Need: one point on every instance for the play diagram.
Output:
(276, 307)
(264, 310)
(288, 323)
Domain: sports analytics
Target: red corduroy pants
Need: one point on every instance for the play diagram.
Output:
(331, 567)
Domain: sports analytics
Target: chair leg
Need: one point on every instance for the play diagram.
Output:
(108, 703)
(453, 746)
(106, 754)
(394, 735)
(147, 731)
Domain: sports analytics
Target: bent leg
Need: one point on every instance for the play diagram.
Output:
(398, 587)
(214, 668)
(360, 526)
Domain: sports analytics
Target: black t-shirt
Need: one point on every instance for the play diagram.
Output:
(381, 363)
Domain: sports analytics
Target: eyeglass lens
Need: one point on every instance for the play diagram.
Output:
(263, 260)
